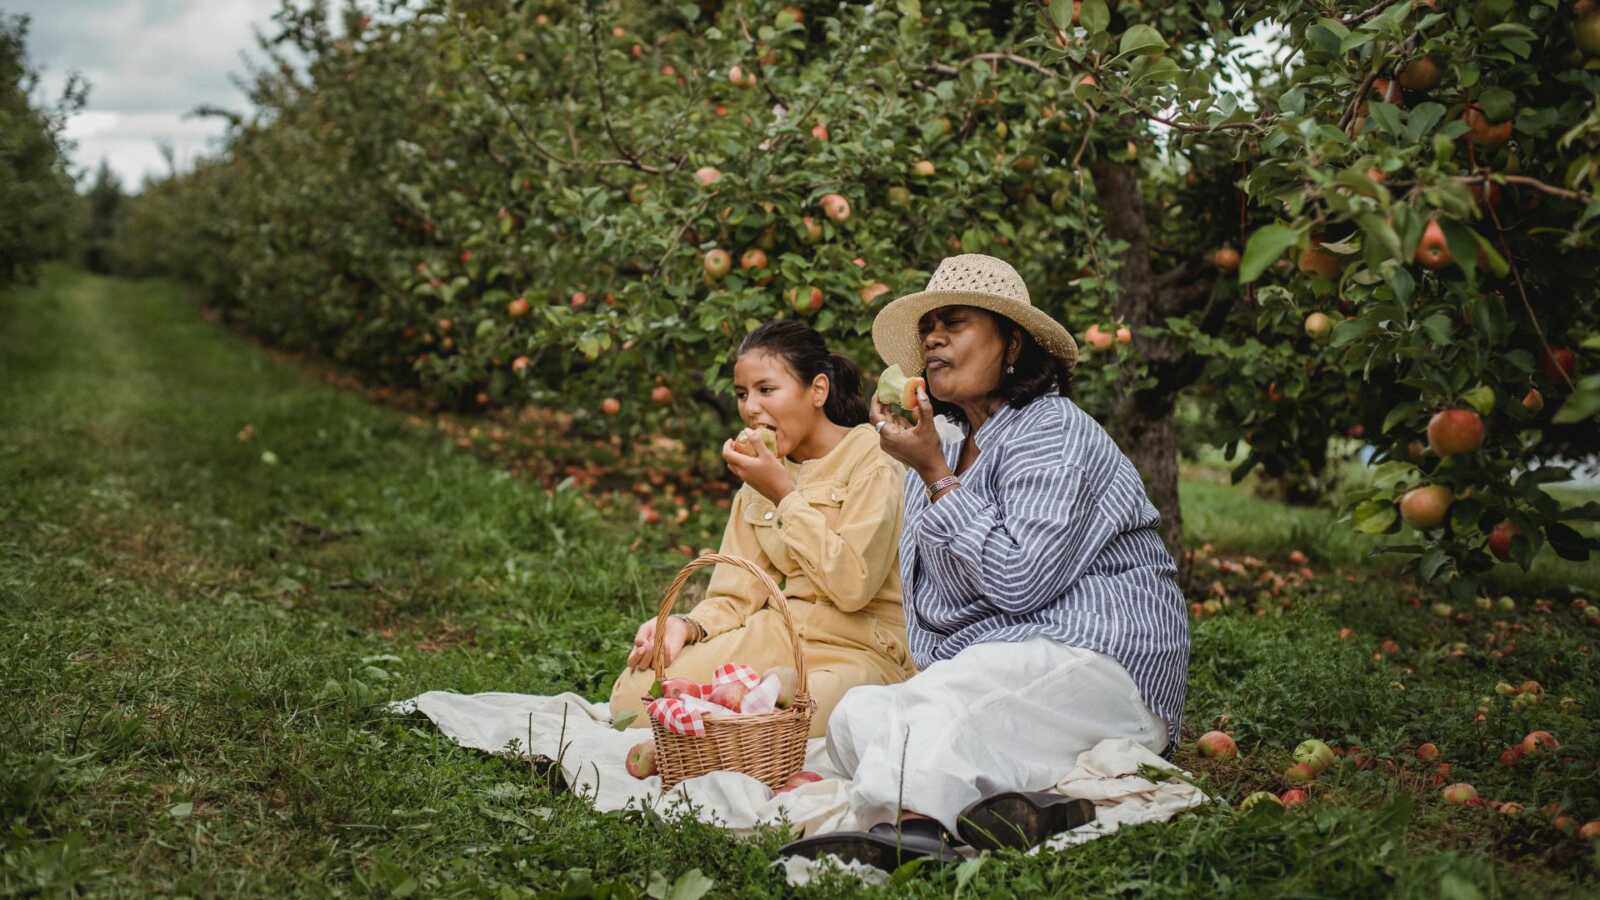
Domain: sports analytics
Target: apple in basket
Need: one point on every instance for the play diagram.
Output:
(788, 683)
(673, 688)
(797, 779)
(642, 759)
(730, 695)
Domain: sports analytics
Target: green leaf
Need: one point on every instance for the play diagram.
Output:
(1480, 398)
(181, 810)
(1584, 402)
(1437, 327)
(622, 722)
(1379, 230)
(1498, 104)
(1094, 16)
(1430, 564)
(968, 869)
(1140, 38)
(1422, 120)
(1266, 244)
(1567, 542)
(1491, 257)
(1061, 13)
(691, 885)
(1374, 516)
(1387, 115)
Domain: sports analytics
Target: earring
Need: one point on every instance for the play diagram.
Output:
(1010, 369)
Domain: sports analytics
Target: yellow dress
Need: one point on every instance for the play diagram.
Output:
(832, 546)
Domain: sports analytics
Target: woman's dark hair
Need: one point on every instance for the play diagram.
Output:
(1036, 372)
(803, 350)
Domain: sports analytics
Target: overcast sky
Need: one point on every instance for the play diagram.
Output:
(149, 62)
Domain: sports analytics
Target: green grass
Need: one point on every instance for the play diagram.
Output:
(201, 641)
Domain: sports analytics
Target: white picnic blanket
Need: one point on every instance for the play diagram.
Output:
(578, 733)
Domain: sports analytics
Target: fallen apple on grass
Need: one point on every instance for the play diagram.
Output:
(1217, 745)
(1259, 798)
(1314, 754)
(1293, 797)
(1300, 773)
(1539, 741)
(1459, 794)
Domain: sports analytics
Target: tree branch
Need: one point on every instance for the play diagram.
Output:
(605, 106)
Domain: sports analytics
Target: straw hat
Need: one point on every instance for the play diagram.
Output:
(971, 279)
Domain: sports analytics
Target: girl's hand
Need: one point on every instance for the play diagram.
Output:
(764, 472)
(915, 445)
(644, 643)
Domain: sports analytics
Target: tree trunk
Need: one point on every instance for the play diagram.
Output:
(1141, 420)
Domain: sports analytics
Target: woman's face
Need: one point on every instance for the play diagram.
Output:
(771, 395)
(964, 353)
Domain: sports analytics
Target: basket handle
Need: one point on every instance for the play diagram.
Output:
(775, 598)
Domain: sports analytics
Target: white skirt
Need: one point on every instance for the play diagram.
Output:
(998, 717)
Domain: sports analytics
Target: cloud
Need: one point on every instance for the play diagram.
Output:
(149, 63)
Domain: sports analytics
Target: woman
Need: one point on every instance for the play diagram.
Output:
(1042, 608)
(821, 516)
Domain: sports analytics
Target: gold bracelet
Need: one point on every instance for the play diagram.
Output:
(698, 631)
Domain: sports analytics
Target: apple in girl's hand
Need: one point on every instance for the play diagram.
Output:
(729, 695)
(642, 759)
(745, 442)
(796, 780)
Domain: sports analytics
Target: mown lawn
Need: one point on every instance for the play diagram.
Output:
(200, 643)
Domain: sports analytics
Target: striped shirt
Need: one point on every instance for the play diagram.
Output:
(1050, 534)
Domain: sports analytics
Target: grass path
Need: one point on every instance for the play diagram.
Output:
(200, 640)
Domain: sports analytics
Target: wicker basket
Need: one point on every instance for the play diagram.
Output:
(769, 747)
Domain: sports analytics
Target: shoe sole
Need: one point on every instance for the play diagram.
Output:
(862, 847)
(1015, 821)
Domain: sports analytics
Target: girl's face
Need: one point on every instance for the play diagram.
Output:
(963, 352)
(771, 395)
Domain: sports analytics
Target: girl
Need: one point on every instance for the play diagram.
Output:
(821, 516)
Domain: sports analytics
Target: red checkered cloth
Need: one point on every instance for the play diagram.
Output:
(684, 712)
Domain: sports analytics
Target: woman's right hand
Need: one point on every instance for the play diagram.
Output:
(644, 643)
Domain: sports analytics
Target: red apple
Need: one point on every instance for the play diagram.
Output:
(798, 779)
(1316, 261)
(517, 308)
(1459, 793)
(648, 515)
(579, 300)
(1225, 258)
(1426, 507)
(1510, 756)
(1217, 745)
(729, 695)
(707, 175)
(1293, 797)
(642, 759)
(1509, 808)
(718, 263)
(1539, 741)
(922, 168)
(1421, 74)
(1124, 334)
(661, 395)
(1433, 252)
(805, 300)
(520, 364)
(1590, 830)
(835, 207)
(1428, 752)
(680, 687)
(754, 258)
(1318, 326)
(873, 291)
(1098, 338)
(610, 406)
(810, 230)
(1559, 362)
(1484, 132)
(1300, 773)
(1453, 431)
(1533, 401)
(1500, 540)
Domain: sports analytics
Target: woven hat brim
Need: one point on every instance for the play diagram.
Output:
(894, 331)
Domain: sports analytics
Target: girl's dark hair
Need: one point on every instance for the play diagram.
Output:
(802, 348)
(1036, 372)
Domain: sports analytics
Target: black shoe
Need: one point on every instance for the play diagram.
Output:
(883, 847)
(1021, 819)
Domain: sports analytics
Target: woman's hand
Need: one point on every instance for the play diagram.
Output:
(915, 445)
(644, 643)
(764, 472)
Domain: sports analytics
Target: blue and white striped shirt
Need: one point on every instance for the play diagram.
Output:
(1051, 534)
